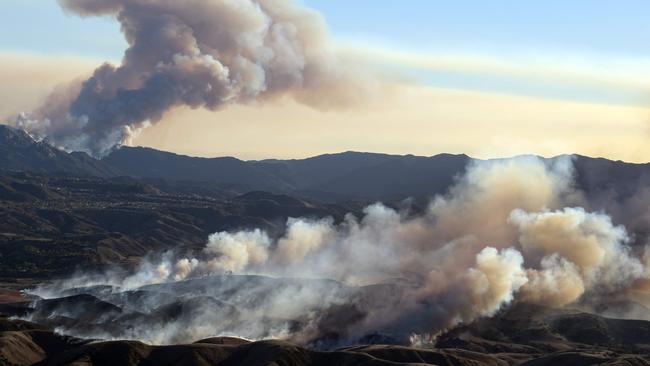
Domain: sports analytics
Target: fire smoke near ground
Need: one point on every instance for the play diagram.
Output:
(199, 53)
(509, 231)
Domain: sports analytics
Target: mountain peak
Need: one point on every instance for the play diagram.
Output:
(20, 152)
(14, 137)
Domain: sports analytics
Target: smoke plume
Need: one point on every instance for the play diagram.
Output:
(501, 235)
(200, 54)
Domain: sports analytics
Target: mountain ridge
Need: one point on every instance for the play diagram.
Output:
(20, 152)
(349, 175)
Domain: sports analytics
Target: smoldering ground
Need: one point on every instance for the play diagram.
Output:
(201, 54)
(508, 232)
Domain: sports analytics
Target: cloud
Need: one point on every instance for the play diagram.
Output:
(201, 54)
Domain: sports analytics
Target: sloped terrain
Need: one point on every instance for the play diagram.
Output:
(520, 335)
(52, 225)
(19, 152)
(61, 213)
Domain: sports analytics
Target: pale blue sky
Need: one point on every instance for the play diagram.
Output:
(591, 26)
(596, 39)
(41, 26)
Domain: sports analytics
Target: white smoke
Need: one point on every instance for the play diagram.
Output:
(494, 280)
(303, 238)
(557, 282)
(501, 235)
(235, 252)
(590, 241)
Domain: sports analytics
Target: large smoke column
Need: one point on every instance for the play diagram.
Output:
(197, 53)
(502, 234)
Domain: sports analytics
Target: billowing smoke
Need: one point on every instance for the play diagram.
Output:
(502, 235)
(238, 251)
(557, 282)
(494, 280)
(198, 53)
(585, 250)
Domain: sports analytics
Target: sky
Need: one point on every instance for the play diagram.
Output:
(488, 79)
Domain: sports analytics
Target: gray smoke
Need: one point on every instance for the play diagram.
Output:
(502, 234)
(197, 53)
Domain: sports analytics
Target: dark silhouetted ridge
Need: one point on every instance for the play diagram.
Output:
(20, 152)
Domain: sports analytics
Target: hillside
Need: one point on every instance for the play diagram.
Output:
(52, 225)
(331, 177)
(520, 335)
(19, 152)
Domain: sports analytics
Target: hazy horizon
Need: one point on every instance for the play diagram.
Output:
(504, 157)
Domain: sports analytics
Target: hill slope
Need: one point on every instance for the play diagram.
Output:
(19, 152)
(330, 177)
(349, 175)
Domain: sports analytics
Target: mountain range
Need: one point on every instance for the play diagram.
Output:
(60, 211)
(63, 212)
(331, 177)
